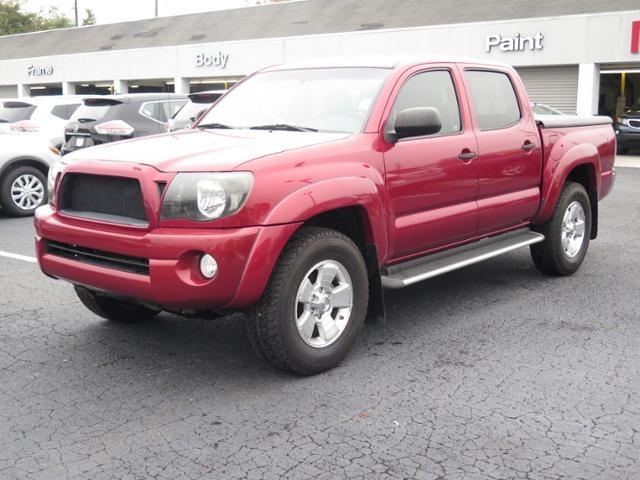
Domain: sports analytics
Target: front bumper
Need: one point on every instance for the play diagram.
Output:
(627, 136)
(245, 259)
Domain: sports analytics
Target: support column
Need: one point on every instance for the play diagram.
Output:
(68, 88)
(23, 90)
(182, 85)
(120, 87)
(588, 88)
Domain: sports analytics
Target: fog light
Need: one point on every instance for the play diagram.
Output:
(208, 266)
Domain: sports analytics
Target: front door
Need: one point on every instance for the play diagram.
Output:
(431, 180)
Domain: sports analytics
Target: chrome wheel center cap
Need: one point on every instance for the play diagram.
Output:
(323, 303)
(320, 303)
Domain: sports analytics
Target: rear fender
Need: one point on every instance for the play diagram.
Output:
(561, 161)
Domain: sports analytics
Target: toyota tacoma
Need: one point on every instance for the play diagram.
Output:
(308, 189)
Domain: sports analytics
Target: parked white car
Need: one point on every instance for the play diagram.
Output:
(44, 117)
(24, 164)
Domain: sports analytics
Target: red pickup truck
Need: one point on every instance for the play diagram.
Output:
(306, 190)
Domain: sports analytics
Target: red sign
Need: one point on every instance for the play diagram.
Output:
(635, 37)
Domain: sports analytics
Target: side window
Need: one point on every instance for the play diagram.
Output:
(494, 100)
(59, 111)
(171, 108)
(154, 111)
(64, 111)
(430, 89)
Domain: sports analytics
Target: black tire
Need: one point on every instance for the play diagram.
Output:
(549, 256)
(113, 309)
(271, 323)
(5, 190)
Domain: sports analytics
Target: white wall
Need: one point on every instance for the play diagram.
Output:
(581, 39)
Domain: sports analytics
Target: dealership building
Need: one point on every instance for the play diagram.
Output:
(575, 55)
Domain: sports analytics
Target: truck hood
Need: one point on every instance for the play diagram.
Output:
(202, 150)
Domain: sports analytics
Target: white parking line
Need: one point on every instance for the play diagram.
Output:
(16, 256)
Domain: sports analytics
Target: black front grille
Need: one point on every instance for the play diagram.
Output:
(634, 123)
(98, 197)
(101, 258)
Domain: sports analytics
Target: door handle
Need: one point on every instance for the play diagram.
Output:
(527, 145)
(467, 155)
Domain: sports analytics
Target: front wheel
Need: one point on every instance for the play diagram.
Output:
(315, 304)
(566, 234)
(23, 190)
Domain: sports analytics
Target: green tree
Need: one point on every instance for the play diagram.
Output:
(89, 17)
(13, 19)
(53, 19)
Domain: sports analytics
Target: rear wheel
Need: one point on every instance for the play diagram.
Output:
(315, 304)
(112, 308)
(566, 234)
(23, 190)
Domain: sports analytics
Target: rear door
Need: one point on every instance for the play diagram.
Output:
(431, 180)
(509, 159)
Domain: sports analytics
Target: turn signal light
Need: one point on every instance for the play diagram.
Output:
(115, 127)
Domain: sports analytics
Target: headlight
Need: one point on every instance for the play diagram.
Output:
(54, 170)
(624, 121)
(206, 196)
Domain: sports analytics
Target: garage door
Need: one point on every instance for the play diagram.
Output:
(553, 86)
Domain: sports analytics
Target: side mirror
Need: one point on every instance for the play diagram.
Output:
(417, 122)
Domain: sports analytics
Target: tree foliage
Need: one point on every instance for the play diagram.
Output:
(89, 17)
(13, 19)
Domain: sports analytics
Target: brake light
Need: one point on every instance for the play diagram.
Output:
(25, 126)
(114, 127)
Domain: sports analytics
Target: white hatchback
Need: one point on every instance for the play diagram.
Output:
(43, 117)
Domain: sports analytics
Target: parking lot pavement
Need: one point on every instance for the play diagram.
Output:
(489, 372)
(630, 161)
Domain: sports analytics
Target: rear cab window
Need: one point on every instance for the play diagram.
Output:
(15, 111)
(493, 99)
(431, 88)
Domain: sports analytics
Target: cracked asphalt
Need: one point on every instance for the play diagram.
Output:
(492, 372)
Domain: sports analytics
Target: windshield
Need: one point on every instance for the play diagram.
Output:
(321, 99)
(636, 106)
(11, 112)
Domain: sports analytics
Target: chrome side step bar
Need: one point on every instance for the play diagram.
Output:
(413, 271)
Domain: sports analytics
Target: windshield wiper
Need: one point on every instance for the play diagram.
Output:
(214, 125)
(284, 126)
